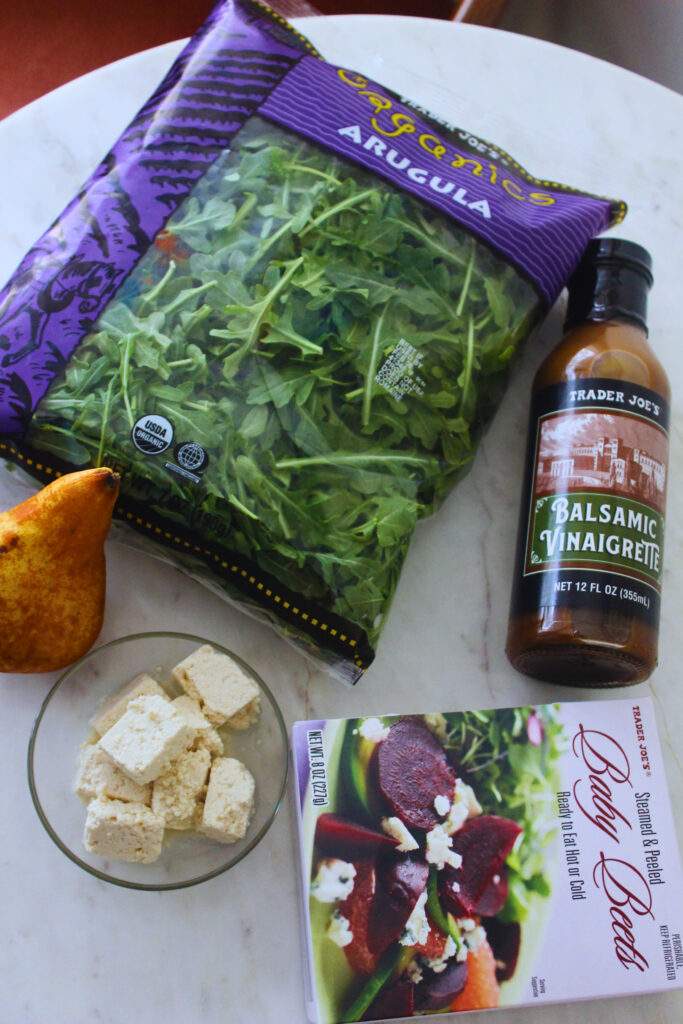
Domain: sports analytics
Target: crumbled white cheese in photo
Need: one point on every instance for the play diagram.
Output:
(457, 816)
(373, 730)
(473, 934)
(442, 805)
(439, 850)
(467, 794)
(395, 828)
(334, 880)
(439, 963)
(475, 938)
(465, 805)
(416, 930)
(339, 930)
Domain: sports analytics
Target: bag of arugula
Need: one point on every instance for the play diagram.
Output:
(283, 309)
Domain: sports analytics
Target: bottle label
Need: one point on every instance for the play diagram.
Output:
(594, 535)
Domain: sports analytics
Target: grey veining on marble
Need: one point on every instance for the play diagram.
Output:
(76, 950)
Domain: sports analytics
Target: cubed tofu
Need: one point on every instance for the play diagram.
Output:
(97, 775)
(149, 735)
(114, 706)
(224, 692)
(123, 831)
(176, 793)
(229, 803)
(207, 737)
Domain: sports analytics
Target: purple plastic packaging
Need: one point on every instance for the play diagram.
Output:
(68, 277)
(290, 483)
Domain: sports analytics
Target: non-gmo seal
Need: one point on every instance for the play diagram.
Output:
(152, 434)
(191, 456)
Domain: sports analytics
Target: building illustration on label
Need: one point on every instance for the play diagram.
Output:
(611, 452)
(598, 496)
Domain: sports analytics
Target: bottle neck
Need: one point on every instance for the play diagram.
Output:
(610, 292)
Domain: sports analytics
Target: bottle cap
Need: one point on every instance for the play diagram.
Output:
(610, 283)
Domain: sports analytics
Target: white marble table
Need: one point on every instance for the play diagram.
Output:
(76, 950)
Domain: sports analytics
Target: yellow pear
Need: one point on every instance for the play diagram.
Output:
(53, 573)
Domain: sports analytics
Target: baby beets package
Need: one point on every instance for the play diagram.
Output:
(472, 860)
(283, 308)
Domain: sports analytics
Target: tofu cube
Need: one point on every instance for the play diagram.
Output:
(229, 803)
(114, 706)
(224, 692)
(123, 831)
(176, 793)
(97, 775)
(207, 737)
(149, 735)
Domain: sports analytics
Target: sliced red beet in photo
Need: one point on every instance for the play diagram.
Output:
(484, 844)
(450, 892)
(437, 991)
(356, 909)
(400, 881)
(396, 1001)
(504, 938)
(335, 835)
(493, 898)
(412, 771)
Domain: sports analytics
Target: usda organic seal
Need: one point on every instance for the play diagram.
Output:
(152, 434)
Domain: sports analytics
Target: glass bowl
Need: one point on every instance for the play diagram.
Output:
(63, 725)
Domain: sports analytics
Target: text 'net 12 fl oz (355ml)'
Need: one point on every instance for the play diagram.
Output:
(283, 308)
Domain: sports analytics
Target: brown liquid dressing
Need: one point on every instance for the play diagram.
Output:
(596, 478)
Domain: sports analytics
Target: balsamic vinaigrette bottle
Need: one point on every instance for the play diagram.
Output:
(586, 588)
